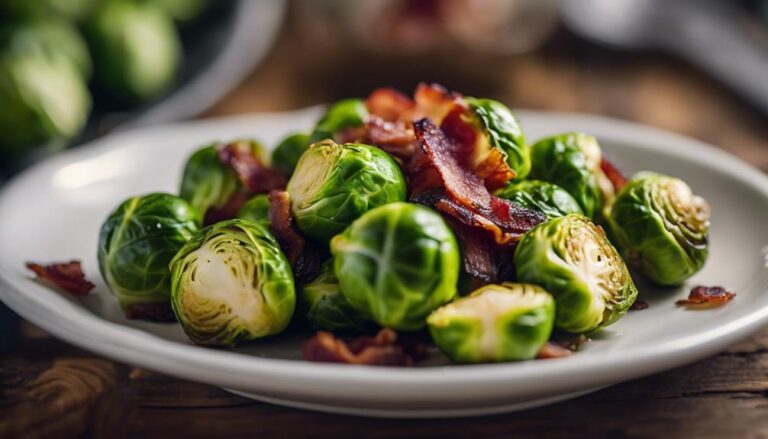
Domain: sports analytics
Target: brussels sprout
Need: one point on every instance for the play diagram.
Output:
(548, 198)
(327, 309)
(206, 182)
(661, 227)
(396, 264)
(232, 283)
(44, 100)
(334, 184)
(572, 161)
(286, 155)
(135, 48)
(573, 260)
(346, 113)
(504, 322)
(136, 243)
(256, 209)
(504, 133)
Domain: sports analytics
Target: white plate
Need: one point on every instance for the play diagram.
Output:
(53, 212)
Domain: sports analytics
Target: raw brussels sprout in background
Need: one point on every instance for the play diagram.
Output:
(232, 283)
(574, 261)
(396, 264)
(334, 184)
(206, 182)
(503, 132)
(135, 47)
(287, 154)
(550, 199)
(256, 209)
(661, 227)
(347, 113)
(506, 322)
(45, 101)
(326, 307)
(572, 161)
(136, 243)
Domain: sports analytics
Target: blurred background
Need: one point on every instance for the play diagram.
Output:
(74, 70)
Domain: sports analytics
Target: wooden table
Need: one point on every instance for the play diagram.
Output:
(51, 388)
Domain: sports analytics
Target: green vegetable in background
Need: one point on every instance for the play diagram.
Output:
(572, 161)
(572, 259)
(347, 113)
(73, 10)
(135, 47)
(136, 243)
(661, 227)
(502, 132)
(334, 184)
(504, 322)
(231, 283)
(256, 209)
(181, 10)
(287, 154)
(548, 198)
(327, 309)
(396, 264)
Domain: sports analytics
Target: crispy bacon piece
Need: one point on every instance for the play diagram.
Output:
(612, 172)
(68, 276)
(433, 102)
(251, 171)
(381, 350)
(639, 305)
(390, 105)
(228, 211)
(562, 347)
(305, 258)
(701, 296)
(396, 138)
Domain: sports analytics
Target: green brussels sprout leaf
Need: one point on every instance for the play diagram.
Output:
(550, 199)
(287, 154)
(326, 307)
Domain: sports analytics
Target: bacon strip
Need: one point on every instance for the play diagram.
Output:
(67, 276)
(390, 105)
(707, 296)
(561, 347)
(251, 171)
(380, 350)
(639, 305)
(614, 174)
(228, 211)
(305, 259)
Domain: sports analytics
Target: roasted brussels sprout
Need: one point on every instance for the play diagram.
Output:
(396, 264)
(232, 283)
(661, 227)
(136, 243)
(572, 161)
(504, 133)
(347, 113)
(326, 307)
(574, 261)
(334, 184)
(135, 48)
(550, 199)
(504, 322)
(287, 154)
(207, 183)
(256, 209)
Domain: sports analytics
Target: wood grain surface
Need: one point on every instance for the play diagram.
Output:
(51, 389)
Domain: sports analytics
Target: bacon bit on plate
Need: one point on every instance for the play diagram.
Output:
(252, 172)
(380, 350)
(705, 297)
(564, 347)
(638, 305)
(67, 276)
(303, 257)
(612, 172)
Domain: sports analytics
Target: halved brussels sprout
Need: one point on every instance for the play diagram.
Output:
(502, 131)
(346, 113)
(334, 184)
(136, 243)
(572, 161)
(550, 199)
(661, 227)
(207, 183)
(506, 322)
(327, 309)
(256, 209)
(396, 264)
(574, 261)
(287, 154)
(232, 283)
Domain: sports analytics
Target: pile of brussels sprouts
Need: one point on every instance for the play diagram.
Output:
(393, 263)
(51, 49)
